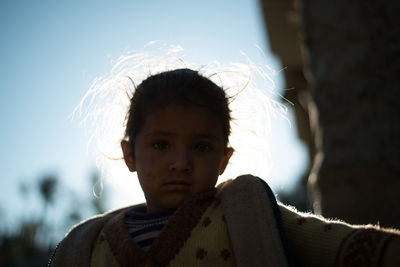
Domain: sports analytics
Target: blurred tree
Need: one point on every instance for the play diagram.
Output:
(30, 242)
(48, 186)
(47, 189)
(21, 248)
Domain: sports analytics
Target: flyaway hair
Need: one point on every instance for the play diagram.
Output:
(251, 91)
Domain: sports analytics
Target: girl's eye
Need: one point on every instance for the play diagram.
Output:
(202, 147)
(161, 145)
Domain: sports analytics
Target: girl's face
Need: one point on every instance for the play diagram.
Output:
(179, 152)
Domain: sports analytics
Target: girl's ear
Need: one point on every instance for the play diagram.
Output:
(128, 156)
(225, 160)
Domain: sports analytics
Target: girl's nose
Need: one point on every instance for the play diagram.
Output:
(181, 162)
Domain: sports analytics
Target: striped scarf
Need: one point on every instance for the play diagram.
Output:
(144, 228)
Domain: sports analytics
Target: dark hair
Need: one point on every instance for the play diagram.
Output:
(180, 86)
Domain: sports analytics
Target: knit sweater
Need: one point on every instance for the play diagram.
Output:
(316, 241)
(240, 225)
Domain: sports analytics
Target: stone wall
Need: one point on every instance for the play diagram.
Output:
(351, 61)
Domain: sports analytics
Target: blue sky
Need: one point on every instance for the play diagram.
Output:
(52, 50)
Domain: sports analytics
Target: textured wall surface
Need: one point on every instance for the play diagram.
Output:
(354, 60)
(352, 57)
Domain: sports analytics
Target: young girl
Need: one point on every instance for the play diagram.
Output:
(177, 140)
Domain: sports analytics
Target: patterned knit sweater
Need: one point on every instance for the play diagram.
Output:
(185, 240)
(240, 225)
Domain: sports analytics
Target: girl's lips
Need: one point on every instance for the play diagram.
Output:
(176, 186)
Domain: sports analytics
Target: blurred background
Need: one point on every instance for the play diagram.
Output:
(51, 52)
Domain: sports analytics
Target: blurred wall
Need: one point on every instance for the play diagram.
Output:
(343, 59)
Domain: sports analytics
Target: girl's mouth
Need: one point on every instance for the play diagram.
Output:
(177, 185)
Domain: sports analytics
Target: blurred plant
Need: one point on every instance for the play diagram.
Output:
(32, 241)
(48, 186)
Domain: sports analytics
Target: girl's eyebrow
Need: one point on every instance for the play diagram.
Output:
(207, 136)
(158, 133)
(167, 134)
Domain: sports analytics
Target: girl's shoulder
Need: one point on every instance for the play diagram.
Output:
(254, 222)
(93, 224)
(76, 247)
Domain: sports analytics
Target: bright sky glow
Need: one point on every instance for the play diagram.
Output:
(52, 51)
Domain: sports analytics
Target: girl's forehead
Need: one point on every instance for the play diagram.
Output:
(181, 113)
(189, 119)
